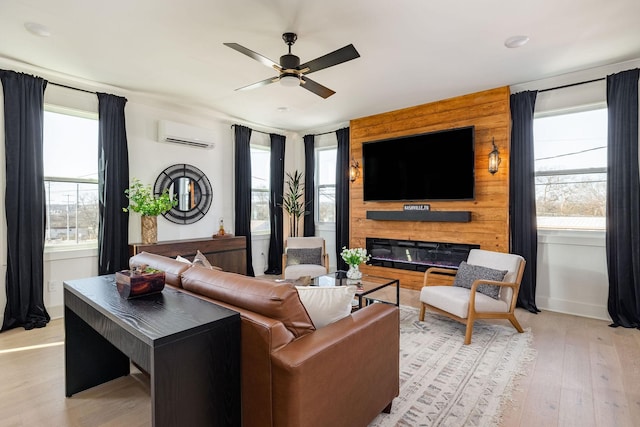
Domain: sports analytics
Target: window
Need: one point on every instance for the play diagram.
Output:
(326, 185)
(571, 170)
(260, 186)
(71, 179)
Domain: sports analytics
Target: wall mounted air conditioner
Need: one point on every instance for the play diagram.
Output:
(178, 133)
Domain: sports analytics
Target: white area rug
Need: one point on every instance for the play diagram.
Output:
(445, 383)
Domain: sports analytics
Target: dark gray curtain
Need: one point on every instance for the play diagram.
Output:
(243, 189)
(113, 179)
(309, 185)
(342, 195)
(24, 200)
(623, 200)
(522, 194)
(276, 181)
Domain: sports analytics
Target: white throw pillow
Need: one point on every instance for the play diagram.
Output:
(326, 305)
(202, 261)
(183, 259)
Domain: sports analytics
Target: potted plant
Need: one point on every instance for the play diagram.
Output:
(292, 201)
(354, 257)
(149, 206)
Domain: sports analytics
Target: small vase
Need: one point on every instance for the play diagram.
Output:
(149, 229)
(354, 273)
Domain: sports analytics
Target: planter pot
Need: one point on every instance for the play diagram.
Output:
(149, 229)
(131, 284)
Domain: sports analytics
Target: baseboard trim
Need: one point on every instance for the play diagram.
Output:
(591, 311)
(56, 311)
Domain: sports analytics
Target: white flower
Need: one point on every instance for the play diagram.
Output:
(354, 256)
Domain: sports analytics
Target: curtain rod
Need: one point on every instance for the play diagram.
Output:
(72, 88)
(259, 131)
(324, 133)
(571, 85)
(267, 133)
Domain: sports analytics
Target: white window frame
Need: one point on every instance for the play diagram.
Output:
(78, 181)
(566, 172)
(256, 147)
(322, 225)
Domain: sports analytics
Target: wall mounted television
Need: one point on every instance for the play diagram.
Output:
(430, 166)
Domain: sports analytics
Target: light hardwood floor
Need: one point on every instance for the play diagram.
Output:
(585, 374)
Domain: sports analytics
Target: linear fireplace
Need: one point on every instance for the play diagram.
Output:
(415, 255)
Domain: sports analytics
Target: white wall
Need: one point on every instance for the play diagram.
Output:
(572, 269)
(572, 273)
(147, 158)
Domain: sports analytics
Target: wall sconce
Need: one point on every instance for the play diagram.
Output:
(354, 170)
(494, 158)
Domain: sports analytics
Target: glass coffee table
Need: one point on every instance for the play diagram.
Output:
(370, 289)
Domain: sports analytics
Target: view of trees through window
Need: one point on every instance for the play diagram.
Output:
(260, 187)
(71, 179)
(326, 185)
(570, 163)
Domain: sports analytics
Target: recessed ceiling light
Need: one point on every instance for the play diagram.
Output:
(282, 109)
(516, 41)
(37, 29)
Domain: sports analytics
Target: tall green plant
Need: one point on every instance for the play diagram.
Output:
(292, 201)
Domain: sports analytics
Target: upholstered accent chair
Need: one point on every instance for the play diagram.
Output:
(304, 256)
(486, 286)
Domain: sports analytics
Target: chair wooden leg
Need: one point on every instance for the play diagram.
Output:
(422, 309)
(515, 323)
(467, 335)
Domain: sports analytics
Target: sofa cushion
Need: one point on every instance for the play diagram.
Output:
(272, 299)
(297, 256)
(468, 273)
(326, 304)
(172, 268)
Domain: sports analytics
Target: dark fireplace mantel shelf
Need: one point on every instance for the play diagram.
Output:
(440, 216)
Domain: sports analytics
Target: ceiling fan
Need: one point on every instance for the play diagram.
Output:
(291, 72)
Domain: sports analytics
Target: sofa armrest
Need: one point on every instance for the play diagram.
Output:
(343, 374)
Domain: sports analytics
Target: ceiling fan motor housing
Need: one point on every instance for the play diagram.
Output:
(289, 62)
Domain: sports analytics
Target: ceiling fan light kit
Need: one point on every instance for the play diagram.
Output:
(291, 72)
(290, 80)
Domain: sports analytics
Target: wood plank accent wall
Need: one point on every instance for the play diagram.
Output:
(489, 112)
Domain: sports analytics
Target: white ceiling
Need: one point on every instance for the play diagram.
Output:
(412, 51)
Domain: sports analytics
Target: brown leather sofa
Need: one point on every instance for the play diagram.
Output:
(343, 374)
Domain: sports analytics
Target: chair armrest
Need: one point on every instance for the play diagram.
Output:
(478, 282)
(317, 376)
(439, 272)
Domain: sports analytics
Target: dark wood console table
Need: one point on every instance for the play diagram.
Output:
(189, 347)
(228, 253)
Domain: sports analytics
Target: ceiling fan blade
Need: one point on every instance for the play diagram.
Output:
(260, 83)
(336, 57)
(251, 54)
(315, 87)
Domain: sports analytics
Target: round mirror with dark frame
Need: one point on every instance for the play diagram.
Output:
(191, 188)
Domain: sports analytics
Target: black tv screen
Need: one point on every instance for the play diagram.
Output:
(431, 166)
